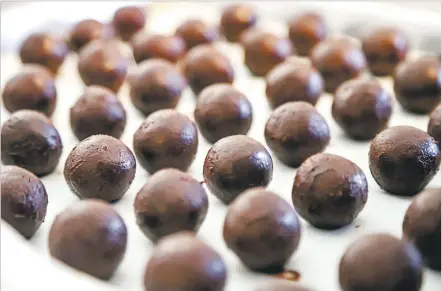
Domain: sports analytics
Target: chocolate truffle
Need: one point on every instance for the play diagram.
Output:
(166, 139)
(329, 191)
(296, 131)
(384, 49)
(206, 65)
(294, 80)
(222, 111)
(305, 31)
(262, 229)
(170, 201)
(24, 200)
(417, 84)
(264, 50)
(33, 88)
(281, 286)
(380, 262)
(97, 111)
(362, 108)
(30, 141)
(236, 19)
(195, 32)
(434, 125)
(44, 49)
(338, 60)
(403, 160)
(100, 167)
(103, 64)
(127, 21)
(235, 164)
(89, 236)
(181, 262)
(86, 31)
(149, 46)
(156, 85)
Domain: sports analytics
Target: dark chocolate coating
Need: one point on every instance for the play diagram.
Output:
(235, 164)
(97, 111)
(102, 63)
(384, 49)
(127, 21)
(329, 191)
(149, 46)
(157, 85)
(30, 141)
(305, 31)
(170, 201)
(264, 50)
(24, 200)
(33, 88)
(281, 286)
(380, 262)
(421, 226)
(89, 236)
(206, 65)
(362, 108)
(100, 167)
(166, 139)
(236, 19)
(262, 229)
(296, 131)
(417, 84)
(181, 262)
(44, 49)
(195, 32)
(338, 60)
(86, 31)
(434, 125)
(293, 80)
(221, 111)
(403, 160)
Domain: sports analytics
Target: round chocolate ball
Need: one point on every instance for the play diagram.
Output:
(166, 139)
(127, 21)
(29, 140)
(434, 125)
(195, 32)
(293, 80)
(44, 49)
(89, 236)
(380, 262)
(156, 85)
(281, 286)
(100, 167)
(149, 46)
(181, 262)
(264, 50)
(305, 31)
(296, 131)
(236, 19)
(97, 111)
(33, 88)
(235, 164)
(24, 200)
(338, 60)
(206, 65)
(417, 84)
(384, 49)
(221, 111)
(86, 31)
(403, 160)
(329, 191)
(362, 108)
(262, 229)
(170, 201)
(102, 63)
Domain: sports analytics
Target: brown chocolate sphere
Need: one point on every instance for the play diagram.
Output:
(128, 20)
(24, 200)
(417, 84)
(236, 19)
(30, 141)
(149, 46)
(33, 88)
(97, 111)
(86, 31)
(434, 125)
(195, 32)
(166, 139)
(221, 111)
(403, 160)
(305, 31)
(44, 49)
(281, 286)
(100, 167)
(89, 236)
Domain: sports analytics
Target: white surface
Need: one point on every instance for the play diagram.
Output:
(26, 268)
